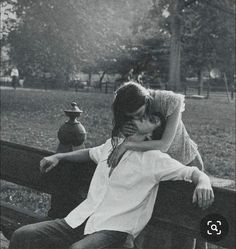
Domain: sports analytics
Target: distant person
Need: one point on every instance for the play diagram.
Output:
(14, 77)
(141, 78)
(21, 82)
(130, 74)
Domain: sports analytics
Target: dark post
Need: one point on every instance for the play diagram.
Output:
(71, 135)
(106, 87)
(166, 86)
(208, 91)
(185, 90)
(199, 90)
(232, 92)
(76, 86)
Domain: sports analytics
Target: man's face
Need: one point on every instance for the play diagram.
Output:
(138, 114)
(147, 124)
(144, 123)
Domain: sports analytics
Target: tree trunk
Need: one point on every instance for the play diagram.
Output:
(175, 45)
(200, 81)
(60, 81)
(89, 79)
(100, 80)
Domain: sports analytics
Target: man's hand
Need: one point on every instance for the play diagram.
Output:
(48, 163)
(203, 194)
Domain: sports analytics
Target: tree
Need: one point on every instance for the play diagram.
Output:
(8, 20)
(148, 46)
(208, 38)
(44, 41)
(201, 35)
(61, 37)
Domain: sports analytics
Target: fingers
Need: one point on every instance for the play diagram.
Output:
(47, 163)
(129, 129)
(43, 164)
(116, 156)
(145, 126)
(194, 196)
(110, 159)
(50, 167)
(212, 197)
(200, 198)
(204, 197)
(114, 159)
(208, 198)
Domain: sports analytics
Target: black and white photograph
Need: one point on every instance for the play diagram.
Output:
(117, 124)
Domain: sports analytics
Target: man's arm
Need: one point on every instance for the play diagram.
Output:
(203, 193)
(79, 156)
(169, 169)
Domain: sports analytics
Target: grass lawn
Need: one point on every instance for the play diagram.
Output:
(34, 117)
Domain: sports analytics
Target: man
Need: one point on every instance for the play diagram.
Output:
(14, 77)
(118, 205)
(141, 78)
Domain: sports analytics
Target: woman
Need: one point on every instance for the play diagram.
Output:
(132, 102)
(131, 105)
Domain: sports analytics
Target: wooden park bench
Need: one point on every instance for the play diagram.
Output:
(69, 183)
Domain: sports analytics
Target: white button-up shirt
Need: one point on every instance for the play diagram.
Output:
(125, 200)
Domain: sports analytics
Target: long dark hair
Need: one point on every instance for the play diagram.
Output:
(129, 97)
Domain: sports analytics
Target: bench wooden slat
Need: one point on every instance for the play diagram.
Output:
(20, 164)
(174, 206)
(13, 217)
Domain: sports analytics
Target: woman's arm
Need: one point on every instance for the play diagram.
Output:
(79, 156)
(138, 142)
(164, 143)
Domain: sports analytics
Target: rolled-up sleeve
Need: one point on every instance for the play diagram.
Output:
(172, 170)
(96, 152)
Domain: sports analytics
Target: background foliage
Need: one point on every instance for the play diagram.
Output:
(173, 39)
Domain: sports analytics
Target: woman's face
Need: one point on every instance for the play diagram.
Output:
(138, 114)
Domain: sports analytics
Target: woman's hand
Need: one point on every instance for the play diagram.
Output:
(129, 129)
(146, 126)
(119, 151)
(116, 155)
(203, 195)
(48, 163)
